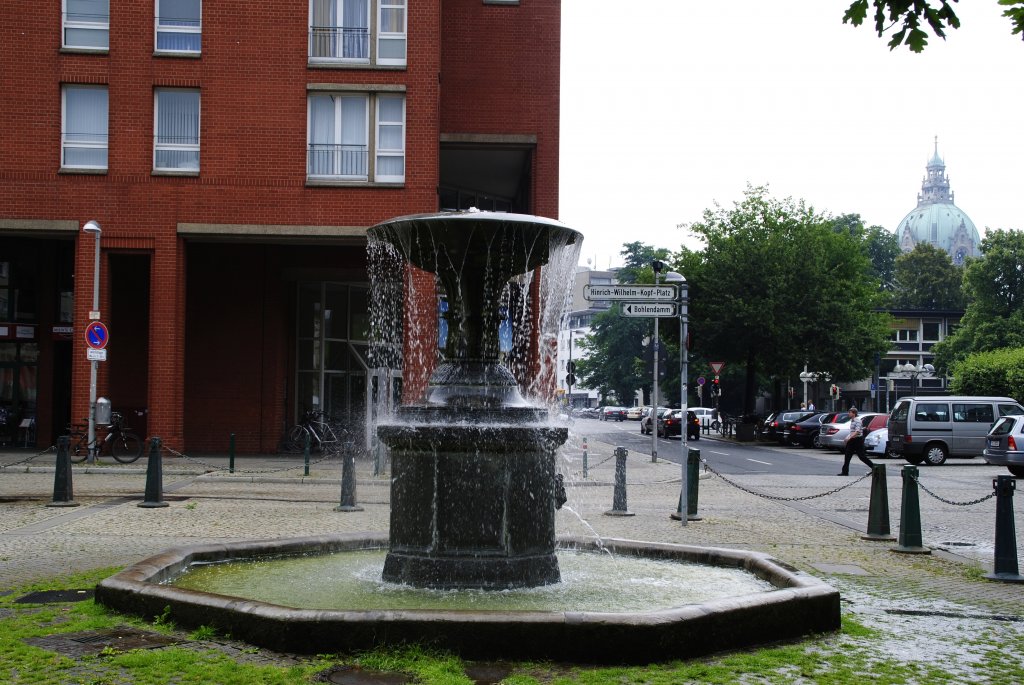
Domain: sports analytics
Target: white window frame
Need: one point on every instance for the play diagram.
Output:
(95, 24)
(340, 58)
(339, 127)
(185, 147)
(379, 149)
(374, 149)
(392, 36)
(65, 143)
(159, 28)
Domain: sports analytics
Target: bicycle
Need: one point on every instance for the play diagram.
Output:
(119, 442)
(314, 427)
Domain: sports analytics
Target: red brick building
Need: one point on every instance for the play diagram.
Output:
(234, 154)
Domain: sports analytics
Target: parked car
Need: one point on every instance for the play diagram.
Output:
(613, 414)
(1005, 444)
(764, 429)
(805, 433)
(931, 428)
(670, 423)
(635, 413)
(647, 422)
(876, 444)
(833, 434)
(706, 416)
(784, 420)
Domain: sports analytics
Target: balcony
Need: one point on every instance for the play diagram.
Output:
(339, 44)
(349, 162)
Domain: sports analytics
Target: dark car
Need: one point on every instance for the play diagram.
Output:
(613, 414)
(647, 422)
(670, 423)
(784, 420)
(805, 433)
(764, 429)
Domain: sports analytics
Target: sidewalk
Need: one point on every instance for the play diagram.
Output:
(269, 496)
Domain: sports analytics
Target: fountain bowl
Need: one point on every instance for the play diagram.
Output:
(800, 605)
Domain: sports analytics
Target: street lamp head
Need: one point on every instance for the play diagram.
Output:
(92, 227)
(674, 277)
(928, 369)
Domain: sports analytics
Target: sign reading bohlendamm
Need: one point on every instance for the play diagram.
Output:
(649, 293)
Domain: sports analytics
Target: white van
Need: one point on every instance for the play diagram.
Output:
(929, 429)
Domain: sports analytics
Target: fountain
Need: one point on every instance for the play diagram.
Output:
(474, 493)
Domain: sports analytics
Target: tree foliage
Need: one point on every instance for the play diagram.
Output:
(999, 373)
(916, 17)
(994, 286)
(777, 286)
(926, 278)
(637, 258)
(613, 356)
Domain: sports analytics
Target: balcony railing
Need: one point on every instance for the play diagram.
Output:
(337, 161)
(339, 43)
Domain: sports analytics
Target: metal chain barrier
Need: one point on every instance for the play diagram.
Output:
(779, 498)
(949, 501)
(214, 467)
(51, 448)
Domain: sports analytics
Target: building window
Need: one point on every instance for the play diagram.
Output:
(390, 138)
(904, 335)
(179, 26)
(84, 127)
(339, 135)
(931, 331)
(391, 32)
(177, 130)
(87, 24)
(339, 31)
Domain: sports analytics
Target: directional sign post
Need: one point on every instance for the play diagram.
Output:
(650, 293)
(647, 309)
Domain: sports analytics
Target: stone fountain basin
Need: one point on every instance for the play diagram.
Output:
(799, 606)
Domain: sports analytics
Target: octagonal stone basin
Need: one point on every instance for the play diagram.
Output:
(799, 605)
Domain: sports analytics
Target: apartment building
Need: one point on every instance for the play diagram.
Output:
(233, 155)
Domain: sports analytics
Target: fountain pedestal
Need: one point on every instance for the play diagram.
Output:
(473, 484)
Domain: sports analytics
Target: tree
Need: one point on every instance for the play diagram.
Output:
(926, 278)
(777, 287)
(998, 373)
(994, 286)
(637, 258)
(912, 12)
(614, 349)
(883, 250)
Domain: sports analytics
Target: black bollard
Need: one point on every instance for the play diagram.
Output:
(231, 454)
(584, 458)
(1006, 568)
(909, 541)
(878, 509)
(305, 456)
(619, 496)
(154, 477)
(692, 488)
(348, 484)
(63, 490)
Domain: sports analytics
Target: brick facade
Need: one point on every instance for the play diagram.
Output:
(198, 272)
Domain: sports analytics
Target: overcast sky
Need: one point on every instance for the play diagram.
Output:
(671, 105)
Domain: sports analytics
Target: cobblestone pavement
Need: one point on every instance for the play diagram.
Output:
(270, 497)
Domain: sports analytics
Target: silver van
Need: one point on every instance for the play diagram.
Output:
(929, 429)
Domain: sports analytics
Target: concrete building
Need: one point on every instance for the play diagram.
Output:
(234, 154)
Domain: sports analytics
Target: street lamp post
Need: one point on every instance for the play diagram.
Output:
(684, 301)
(914, 373)
(657, 266)
(94, 228)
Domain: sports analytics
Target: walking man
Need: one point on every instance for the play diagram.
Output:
(855, 443)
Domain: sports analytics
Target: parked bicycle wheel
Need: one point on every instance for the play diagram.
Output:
(296, 441)
(78, 452)
(126, 447)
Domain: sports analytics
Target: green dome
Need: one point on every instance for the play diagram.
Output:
(936, 220)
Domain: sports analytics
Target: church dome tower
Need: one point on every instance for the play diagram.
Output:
(936, 220)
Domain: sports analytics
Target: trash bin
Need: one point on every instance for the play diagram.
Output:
(102, 411)
(745, 431)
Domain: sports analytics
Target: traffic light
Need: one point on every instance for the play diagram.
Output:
(716, 387)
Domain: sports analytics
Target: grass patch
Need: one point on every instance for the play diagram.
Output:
(853, 655)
